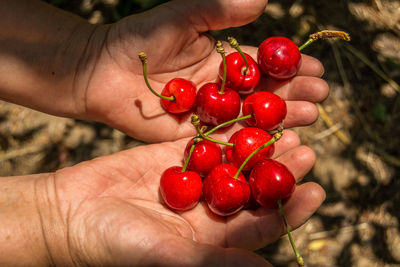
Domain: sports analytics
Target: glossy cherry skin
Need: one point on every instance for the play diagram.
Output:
(224, 194)
(184, 92)
(205, 156)
(180, 190)
(268, 110)
(269, 181)
(236, 79)
(214, 108)
(279, 58)
(245, 141)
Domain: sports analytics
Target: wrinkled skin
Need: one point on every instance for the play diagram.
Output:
(112, 211)
(116, 94)
(107, 212)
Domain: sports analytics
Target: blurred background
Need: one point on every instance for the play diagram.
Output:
(356, 137)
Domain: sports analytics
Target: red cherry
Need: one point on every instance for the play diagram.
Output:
(184, 93)
(268, 110)
(224, 194)
(279, 58)
(270, 181)
(229, 149)
(213, 107)
(236, 78)
(245, 141)
(180, 190)
(178, 95)
(205, 156)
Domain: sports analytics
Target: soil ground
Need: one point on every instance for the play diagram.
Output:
(356, 138)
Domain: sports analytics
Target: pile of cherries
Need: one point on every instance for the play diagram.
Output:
(247, 170)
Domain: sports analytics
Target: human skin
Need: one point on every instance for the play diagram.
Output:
(60, 64)
(107, 212)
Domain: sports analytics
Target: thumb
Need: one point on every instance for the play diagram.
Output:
(207, 15)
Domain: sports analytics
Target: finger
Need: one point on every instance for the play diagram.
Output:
(288, 141)
(300, 113)
(298, 160)
(302, 88)
(207, 15)
(255, 229)
(310, 66)
(185, 252)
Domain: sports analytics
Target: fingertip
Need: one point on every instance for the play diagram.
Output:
(310, 66)
(304, 202)
(305, 88)
(306, 155)
(316, 192)
(323, 90)
(300, 113)
(289, 140)
(299, 161)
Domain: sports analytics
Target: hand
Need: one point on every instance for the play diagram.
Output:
(173, 37)
(108, 212)
(92, 72)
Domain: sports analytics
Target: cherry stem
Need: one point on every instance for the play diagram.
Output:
(202, 135)
(143, 58)
(299, 258)
(307, 43)
(274, 138)
(234, 44)
(221, 51)
(325, 34)
(196, 122)
(190, 154)
(227, 123)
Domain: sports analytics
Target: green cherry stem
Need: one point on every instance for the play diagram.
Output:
(188, 158)
(202, 135)
(227, 123)
(143, 58)
(221, 51)
(234, 44)
(299, 258)
(196, 122)
(274, 138)
(307, 43)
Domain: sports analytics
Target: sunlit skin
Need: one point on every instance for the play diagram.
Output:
(109, 86)
(111, 205)
(108, 211)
